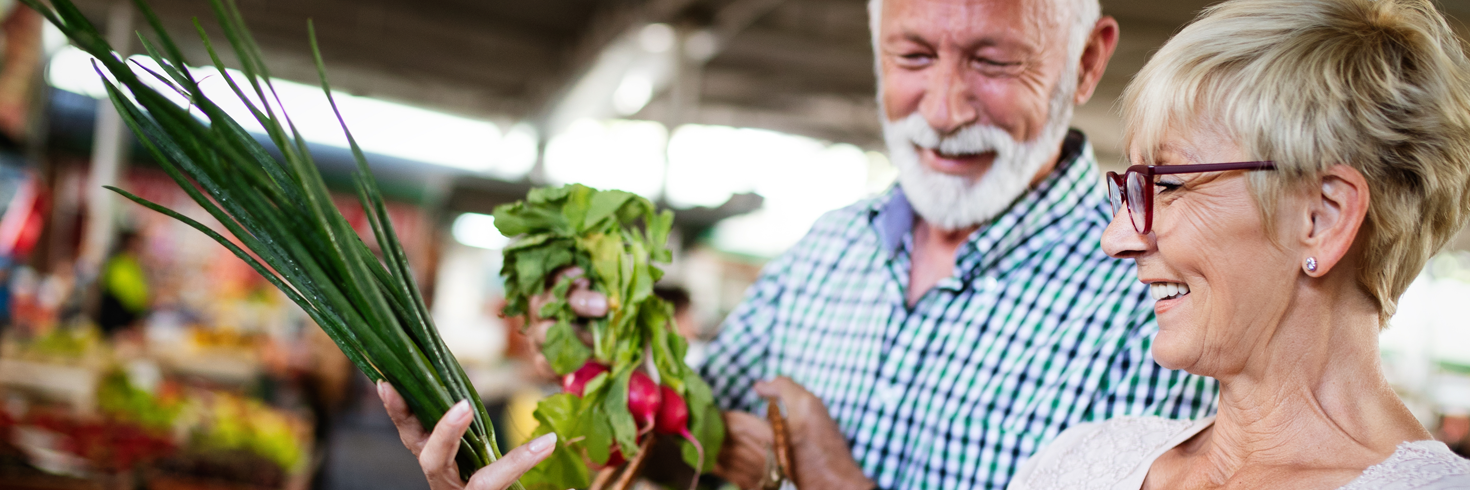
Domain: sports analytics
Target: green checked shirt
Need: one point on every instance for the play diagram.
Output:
(1036, 330)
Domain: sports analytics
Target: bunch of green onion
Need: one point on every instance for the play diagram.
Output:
(282, 214)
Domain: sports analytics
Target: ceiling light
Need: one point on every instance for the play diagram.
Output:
(631, 95)
(656, 38)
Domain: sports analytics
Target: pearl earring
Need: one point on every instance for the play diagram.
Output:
(1311, 264)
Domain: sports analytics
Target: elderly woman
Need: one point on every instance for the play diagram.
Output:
(1298, 162)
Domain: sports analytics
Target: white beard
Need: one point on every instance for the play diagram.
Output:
(953, 202)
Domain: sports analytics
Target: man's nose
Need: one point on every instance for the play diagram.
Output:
(948, 104)
(1121, 240)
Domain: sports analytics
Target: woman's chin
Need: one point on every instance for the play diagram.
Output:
(1173, 347)
(1172, 353)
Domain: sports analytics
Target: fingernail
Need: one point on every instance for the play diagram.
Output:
(591, 301)
(380, 388)
(540, 444)
(460, 411)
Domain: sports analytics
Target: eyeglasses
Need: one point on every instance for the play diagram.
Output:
(1134, 186)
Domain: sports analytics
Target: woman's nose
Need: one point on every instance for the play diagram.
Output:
(1121, 240)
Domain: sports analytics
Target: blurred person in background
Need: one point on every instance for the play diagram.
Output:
(124, 285)
(24, 308)
(57, 295)
(516, 409)
(1297, 163)
(1454, 431)
(684, 322)
(6, 318)
(934, 336)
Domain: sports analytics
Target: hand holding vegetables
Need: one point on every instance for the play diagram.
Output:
(620, 365)
(584, 302)
(436, 451)
(742, 456)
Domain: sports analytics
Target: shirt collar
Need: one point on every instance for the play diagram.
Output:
(892, 215)
(893, 218)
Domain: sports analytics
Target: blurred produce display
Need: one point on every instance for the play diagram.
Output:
(170, 431)
(119, 399)
(278, 212)
(69, 343)
(76, 404)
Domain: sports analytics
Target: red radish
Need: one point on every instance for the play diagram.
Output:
(643, 400)
(673, 418)
(615, 458)
(673, 415)
(576, 383)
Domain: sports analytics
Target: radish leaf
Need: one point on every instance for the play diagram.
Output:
(563, 349)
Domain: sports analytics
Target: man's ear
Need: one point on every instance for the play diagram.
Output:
(1100, 46)
(1336, 213)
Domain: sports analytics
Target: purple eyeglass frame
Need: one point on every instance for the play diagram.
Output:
(1120, 197)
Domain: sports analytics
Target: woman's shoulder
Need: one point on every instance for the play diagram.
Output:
(1102, 455)
(1418, 465)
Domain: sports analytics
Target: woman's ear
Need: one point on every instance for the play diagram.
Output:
(1336, 211)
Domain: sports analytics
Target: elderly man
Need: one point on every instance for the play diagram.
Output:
(937, 335)
(957, 323)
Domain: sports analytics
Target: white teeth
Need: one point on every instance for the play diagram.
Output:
(1168, 290)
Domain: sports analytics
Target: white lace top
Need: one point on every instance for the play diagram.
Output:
(1117, 454)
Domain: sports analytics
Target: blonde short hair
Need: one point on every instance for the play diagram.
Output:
(1380, 85)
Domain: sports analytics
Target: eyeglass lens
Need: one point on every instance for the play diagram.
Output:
(1137, 206)
(1115, 195)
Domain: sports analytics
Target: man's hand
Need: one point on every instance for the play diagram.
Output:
(818, 449)
(585, 302)
(747, 444)
(436, 451)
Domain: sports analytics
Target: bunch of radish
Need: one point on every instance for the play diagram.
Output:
(654, 407)
(631, 383)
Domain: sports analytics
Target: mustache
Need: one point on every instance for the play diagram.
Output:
(972, 139)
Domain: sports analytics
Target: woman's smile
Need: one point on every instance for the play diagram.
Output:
(1168, 290)
(1167, 294)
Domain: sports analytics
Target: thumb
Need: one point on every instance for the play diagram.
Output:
(506, 470)
(779, 387)
(587, 303)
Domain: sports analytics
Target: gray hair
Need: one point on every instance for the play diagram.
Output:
(1083, 16)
